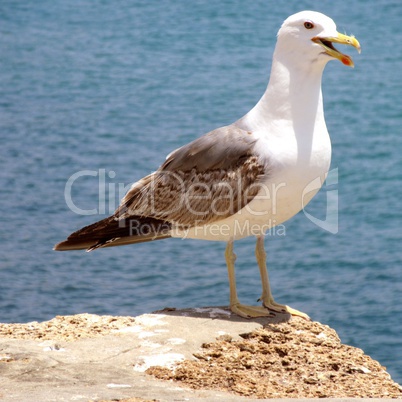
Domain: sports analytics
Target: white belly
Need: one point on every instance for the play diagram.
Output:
(294, 180)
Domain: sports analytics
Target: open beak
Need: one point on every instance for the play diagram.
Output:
(327, 42)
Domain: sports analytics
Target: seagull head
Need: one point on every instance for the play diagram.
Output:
(311, 35)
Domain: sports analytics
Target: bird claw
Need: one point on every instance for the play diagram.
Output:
(250, 311)
(272, 305)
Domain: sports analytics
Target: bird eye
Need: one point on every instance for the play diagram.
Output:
(308, 25)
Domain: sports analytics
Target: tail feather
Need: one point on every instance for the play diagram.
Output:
(110, 232)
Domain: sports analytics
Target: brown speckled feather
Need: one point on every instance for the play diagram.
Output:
(204, 181)
(193, 198)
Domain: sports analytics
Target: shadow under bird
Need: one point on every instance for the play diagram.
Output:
(242, 179)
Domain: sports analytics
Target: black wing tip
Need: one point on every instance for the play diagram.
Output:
(60, 246)
(110, 232)
(68, 246)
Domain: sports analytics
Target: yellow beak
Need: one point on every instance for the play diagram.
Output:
(327, 42)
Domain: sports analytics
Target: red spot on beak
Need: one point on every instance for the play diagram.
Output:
(347, 61)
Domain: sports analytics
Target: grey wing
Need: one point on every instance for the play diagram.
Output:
(204, 181)
(218, 149)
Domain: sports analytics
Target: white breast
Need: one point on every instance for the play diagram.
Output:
(294, 169)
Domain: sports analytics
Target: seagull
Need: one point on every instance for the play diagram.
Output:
(245, 178)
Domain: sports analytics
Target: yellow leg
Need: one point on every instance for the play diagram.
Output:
(235, 305)
(266, 297)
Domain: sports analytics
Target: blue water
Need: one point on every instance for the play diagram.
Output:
(109, 88)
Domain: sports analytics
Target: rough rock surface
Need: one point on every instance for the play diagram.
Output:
(204, 354)
(67, 328)
(298, 359)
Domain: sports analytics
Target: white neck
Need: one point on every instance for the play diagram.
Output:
(293, 96)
